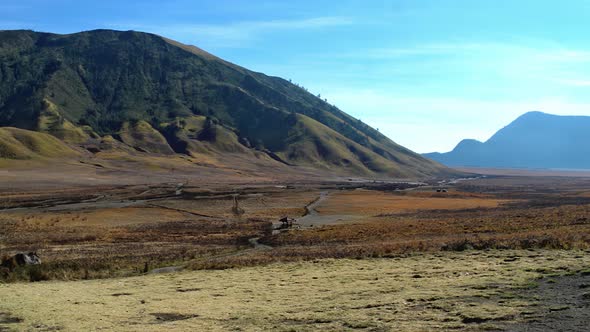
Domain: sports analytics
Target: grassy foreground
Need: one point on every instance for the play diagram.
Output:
(473, 290)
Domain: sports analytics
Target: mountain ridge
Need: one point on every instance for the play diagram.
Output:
(147, 91)
(533, 140)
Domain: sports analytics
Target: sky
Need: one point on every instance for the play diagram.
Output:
(426, 73)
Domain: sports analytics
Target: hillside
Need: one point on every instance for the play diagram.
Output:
(24, 144)
(534, 140)
(147, 94)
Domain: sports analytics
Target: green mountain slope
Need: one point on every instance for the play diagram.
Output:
(24, 144)
(160, 96)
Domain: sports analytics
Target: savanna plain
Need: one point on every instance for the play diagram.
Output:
(495, 252)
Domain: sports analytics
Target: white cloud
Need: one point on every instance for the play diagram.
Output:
(234, 34)
(568, 55)
(431, 96)
(574, 82)
(548, 61)
(427, 124)
(427, 137)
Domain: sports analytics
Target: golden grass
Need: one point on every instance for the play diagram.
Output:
(559, 227)
(100, 218)
(268, 206)
(141, 135)
(25, 144)
(119, 240)
(371, 203)
(421, 292)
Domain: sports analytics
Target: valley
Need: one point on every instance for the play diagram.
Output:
(360, 255)
(149, 185)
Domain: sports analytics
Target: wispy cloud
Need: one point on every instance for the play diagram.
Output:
(463, 89)
(569, 55)
(426, 123)
(575, 82)
(235, 34)
(494, 50)
(492, 62)
(434, 49)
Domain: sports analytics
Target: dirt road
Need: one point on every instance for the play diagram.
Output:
(314, 219)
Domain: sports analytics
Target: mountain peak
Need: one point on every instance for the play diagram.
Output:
(468, 142)
(534, 115)
(142, 93)
(533, 140)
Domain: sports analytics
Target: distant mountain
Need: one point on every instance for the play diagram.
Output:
(534, 140)
(136, 92)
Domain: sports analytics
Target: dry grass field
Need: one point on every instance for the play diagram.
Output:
(129, 230)
(371, 202)
(476, 290)
(117, 231)
(368, 255)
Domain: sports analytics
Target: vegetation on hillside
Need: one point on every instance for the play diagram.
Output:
(82, 85)
(24, 144)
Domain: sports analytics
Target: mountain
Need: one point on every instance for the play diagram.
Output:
(139, 93)
(534, 140)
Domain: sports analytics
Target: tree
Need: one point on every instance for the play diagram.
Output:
(236, 209)
(209, 131)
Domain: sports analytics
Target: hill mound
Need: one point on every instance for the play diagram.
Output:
(24, 144)
(159, 96)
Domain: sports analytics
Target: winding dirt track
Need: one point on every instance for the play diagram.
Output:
(313, 219)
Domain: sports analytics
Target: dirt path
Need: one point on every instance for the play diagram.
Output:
(313, 219)
(183, 211)
(257, 245)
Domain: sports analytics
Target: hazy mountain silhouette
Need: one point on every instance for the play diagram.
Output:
(534, 140)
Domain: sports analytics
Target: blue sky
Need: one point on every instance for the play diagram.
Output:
(427, 73)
